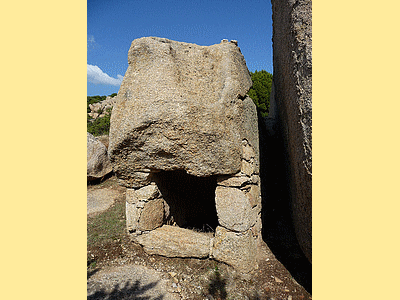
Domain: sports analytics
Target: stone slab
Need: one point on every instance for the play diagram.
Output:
(173, 241)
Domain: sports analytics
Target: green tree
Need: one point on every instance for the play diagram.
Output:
(261, 90)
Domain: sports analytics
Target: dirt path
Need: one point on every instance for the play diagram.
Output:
(128, 282)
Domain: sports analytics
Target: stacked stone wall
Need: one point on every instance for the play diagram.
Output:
(238, 206)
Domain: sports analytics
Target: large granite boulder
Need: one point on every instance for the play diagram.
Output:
(292, 46)
(98, 163)
(178, 108)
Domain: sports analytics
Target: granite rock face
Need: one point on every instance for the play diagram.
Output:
(98, 164)
(292, 48)
(178, 109)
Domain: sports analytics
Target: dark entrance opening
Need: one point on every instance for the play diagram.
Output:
(191, 199)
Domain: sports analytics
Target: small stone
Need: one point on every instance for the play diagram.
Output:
(173, 274)
(248, 152)
(278, 280)
(174, 285)
(248, 168)
(145, 193)
(175, 279)
(237, 180)
(132, 216)
(289, 298)
(254, 196)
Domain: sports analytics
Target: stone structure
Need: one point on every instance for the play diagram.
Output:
(98, 164)
(184, 141)
(292, 45)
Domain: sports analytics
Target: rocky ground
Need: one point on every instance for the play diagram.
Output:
(119, 269)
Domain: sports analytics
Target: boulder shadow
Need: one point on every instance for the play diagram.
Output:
(217, 286)
(277, 226)
(130, 291)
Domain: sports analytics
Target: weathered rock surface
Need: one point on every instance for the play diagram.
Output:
(132, 216)
(234, 209)
(237, 180)
(292, 47)
(172, 241)
(145, 193)
(135, 179)
(98, 163)
(152, 215)
(236, 249)
(179, 107)
(99, 200)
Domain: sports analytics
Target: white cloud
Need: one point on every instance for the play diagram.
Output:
(97, 76)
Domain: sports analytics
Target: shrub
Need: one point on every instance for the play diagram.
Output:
(100, 126)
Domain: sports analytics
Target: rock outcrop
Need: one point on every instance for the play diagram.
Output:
(292, 58)
(182, 113)
(102, 108)
(98, 163)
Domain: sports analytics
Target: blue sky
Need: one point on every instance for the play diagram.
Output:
(112, 26)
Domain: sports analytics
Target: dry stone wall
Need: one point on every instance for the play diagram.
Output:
(238, 206)
(292, 58)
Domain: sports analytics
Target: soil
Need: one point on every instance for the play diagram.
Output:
(114, 264)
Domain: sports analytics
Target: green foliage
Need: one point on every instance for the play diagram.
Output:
(261, 90)
(100, 126)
